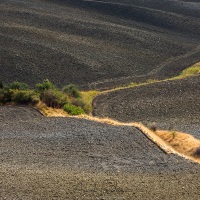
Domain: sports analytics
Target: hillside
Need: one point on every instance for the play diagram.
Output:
(121, 54)
(51, 157)
(96, 44)
(169, 104)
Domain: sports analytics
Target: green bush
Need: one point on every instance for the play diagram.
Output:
(6, 95)
(54, 98)
(78, 102)
(46, 85)
(18, 86)
(73, 110)
(72, 90)
(25, 97)
(1, 85)
(1, 96)
(69, 98)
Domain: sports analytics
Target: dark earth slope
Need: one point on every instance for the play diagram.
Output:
(171, 104)
(80, 144)
(40, 153)
(96, 44)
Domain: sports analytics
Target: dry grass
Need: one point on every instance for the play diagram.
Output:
(87, 98)
(51, 112)
(191, 71)
(146, 131)
(181, 142)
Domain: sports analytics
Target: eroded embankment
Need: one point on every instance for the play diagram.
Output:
(161, 138)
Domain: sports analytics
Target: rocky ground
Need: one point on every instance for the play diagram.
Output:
(96, 44)
(51, 156)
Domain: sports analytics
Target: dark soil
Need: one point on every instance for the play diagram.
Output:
(95, 44)
(170, 105)
(50, 156)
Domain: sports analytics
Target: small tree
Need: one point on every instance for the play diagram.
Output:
(18, 86)
(25, 97)
(72, 90)
(54, 98)
(46, 85)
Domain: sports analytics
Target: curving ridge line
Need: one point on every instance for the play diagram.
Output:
(143, 129)
(165, 147)
(171, 67)
(178, 63)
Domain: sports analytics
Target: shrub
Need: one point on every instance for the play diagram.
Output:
(73, 110)
(1, 85)
(54, 98)
(25, 97)
(78, 102)
(173, 134)
(153, 128)
(197, 152)
(6, 95)
(1, 96)
(46, 85)
(72, 90)
(18, 86)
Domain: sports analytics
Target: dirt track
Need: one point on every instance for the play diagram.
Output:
(49, 148)
(96, 45)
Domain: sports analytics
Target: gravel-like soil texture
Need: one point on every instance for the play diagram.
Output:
(81, 144)
(8, 114)
(48, 158)
(171, 104)
(67, 158)
(96, 44)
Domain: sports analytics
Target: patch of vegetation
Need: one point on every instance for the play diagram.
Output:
(173, 134)
(1, 85)
(87, 97)
(197, 152)
(68, 99)
(18, 86)
(73, 110)
(153, 128)
(72, 91)
(191, 71)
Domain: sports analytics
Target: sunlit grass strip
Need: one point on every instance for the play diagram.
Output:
(191, 71)
(87, 98)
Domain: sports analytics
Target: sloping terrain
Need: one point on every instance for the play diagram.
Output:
(96, 44)
(82, 144)
(49, 154)
(170, 104)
